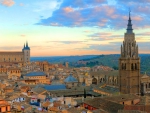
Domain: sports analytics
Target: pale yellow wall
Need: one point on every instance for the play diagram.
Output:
(41, 79)
(12, 57)
(14, 72)
(3, 70)
(37, 77)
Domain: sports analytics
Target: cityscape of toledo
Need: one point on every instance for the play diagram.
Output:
(75, 56)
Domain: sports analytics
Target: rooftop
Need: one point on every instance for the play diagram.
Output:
(70, 78)
(35, 74)
(55, 87)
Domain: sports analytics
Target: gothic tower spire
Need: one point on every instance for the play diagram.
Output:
(129, 25)
(129, 63)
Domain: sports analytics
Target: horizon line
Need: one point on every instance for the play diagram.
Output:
(82, 55)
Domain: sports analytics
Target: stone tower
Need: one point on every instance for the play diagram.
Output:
(26, 51)
(129, 63)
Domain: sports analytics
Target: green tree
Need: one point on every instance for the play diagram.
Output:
(84, 93)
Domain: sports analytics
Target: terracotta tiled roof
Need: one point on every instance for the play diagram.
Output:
(53, 109)
(57, 103)
(46, 104)
(106, 105)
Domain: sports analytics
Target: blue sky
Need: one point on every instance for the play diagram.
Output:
(78, 27)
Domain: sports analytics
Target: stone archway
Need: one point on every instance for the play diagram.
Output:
(94, 81)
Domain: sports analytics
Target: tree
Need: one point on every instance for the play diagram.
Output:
(84, 93)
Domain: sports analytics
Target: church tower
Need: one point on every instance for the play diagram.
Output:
(26, 51)
(129, 63)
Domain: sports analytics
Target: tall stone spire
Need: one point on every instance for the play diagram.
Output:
(129, 26)
(129, 63)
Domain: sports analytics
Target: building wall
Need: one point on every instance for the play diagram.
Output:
(3, 70)
(26, 55)
(35, 77)
(71, 84)
(4, 106)
(11, 56)
(129, 77)
(14, 73)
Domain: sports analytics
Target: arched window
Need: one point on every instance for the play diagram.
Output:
(132, 67)
(94, 81)
(122, 66)
(125, 66)
(103, 79)
(135, 66)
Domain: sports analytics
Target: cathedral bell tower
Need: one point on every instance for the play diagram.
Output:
(129, 63)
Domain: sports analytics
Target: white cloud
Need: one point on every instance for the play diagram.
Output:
(47, 5)
(7, 3)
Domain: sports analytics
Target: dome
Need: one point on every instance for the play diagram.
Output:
(70, 78)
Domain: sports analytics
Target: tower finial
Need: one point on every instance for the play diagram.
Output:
(26, 43)
(129, 14)
(129, 26)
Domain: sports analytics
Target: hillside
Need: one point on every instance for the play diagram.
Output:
(112, 61)
(93, 60)
(62, 59)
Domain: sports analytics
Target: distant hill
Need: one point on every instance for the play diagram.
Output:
(93, 60)
(112, 61)
(62, 59)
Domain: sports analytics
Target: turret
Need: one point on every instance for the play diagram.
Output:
(26, 51)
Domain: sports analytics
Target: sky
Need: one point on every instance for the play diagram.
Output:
(72, 27)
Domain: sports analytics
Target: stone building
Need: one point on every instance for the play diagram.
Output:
(4, 106)
(100, 77)
(10, 57)
(14, 73)
(129, 63)
(145, 84)
(71, 81)
(36, 77)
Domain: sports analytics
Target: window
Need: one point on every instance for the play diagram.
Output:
(132, 68)
(122, 66)
(132, 102)
(135, 66)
